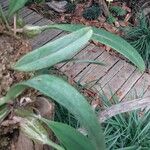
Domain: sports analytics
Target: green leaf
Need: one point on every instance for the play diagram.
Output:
(107, 38)
(13, 92)
(70, 98)
(69, 137)
(15, 5)
(3, 112)
(54, 52)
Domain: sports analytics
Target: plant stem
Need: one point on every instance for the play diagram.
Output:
(15, 26)
(54, 145)
(18, 30)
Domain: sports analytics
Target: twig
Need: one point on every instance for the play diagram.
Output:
(123, 107)
(20, 30)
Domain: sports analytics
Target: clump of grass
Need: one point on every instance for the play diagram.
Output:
(70, 7)
(139, 38)
(93, 12)
(111, 19)
(117, 11)
(127, 131)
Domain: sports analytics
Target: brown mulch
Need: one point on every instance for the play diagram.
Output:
(11, 50)
(77, 18)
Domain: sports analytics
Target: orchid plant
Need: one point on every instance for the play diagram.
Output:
(51, 86)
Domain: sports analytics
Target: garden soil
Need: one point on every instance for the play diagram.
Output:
(11, 49)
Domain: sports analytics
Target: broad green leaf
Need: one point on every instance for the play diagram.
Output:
(3, 112)
(15, 5)
(107, 38)
(34, 130)
(54, 52)
(67, 96)
(69, 137)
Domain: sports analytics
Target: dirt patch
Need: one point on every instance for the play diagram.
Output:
(11, 50)
(7, 133)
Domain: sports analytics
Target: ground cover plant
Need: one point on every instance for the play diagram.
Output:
(139, 37)
(128, 130)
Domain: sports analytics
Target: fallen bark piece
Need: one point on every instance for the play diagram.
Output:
(123, 107)
(23, 143)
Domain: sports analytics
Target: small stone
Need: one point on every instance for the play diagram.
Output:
(59, 7)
